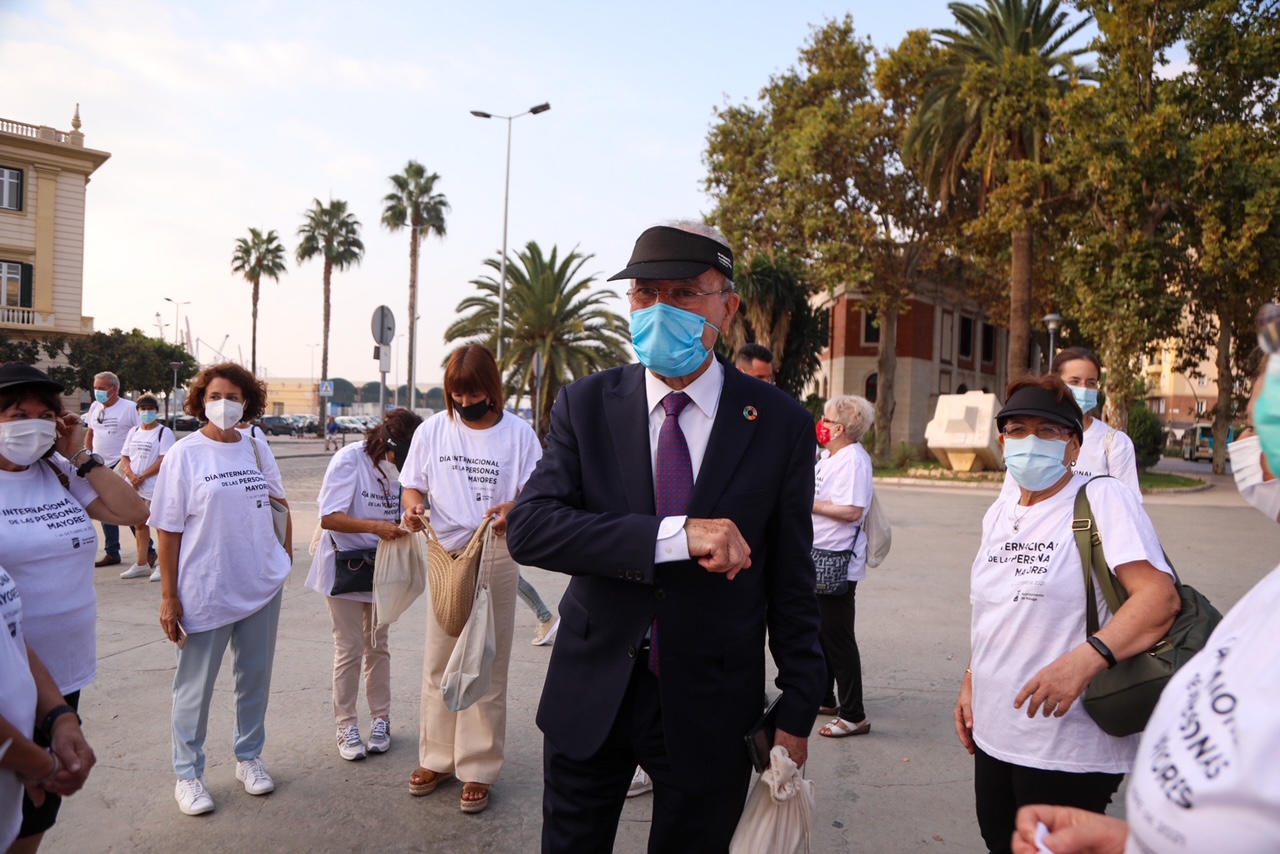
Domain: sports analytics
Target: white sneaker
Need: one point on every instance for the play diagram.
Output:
(640, 783)
(380, 736)
(136, 572)
(155, 574)
(253, 773)
(546, 632)
(350, 747)
(193, 798)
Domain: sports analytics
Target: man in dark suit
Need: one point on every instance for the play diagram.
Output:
(677, 493)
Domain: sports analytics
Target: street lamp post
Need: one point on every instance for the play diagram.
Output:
(1054, 323)
(174, 366)
(506, 197)
(176, 306)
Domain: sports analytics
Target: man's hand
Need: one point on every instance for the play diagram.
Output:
(796, 746)
(718, 546)
(170, 616)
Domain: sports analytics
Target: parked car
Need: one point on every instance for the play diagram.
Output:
(350, 424)
(277, 425)
(187, 423)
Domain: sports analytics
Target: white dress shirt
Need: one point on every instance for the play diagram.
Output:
(695, 422)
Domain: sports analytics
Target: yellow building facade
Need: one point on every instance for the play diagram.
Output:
(44, 174)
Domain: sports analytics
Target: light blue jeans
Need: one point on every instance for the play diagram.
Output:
(253, 647)
(529, 595)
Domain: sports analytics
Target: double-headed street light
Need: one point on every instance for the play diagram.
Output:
(506, 197)
(176, 307)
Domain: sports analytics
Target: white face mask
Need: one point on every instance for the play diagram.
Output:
(224, 414)
(26, 440)
(1246, 468)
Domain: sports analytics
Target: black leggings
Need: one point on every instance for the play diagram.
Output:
(840, 648)
(1000, 788)
(38, 819)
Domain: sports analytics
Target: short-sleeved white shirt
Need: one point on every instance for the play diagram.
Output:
(355, 486)
(109, 426)
(1206, 777)
(17, 700)
(48, 543)
(843, 478)
(143, 447)
(230, 563)
(1027, 592)
(466, 471)
(1119, 461)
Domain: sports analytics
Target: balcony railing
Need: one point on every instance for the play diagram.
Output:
(42, 132)
(23, 317)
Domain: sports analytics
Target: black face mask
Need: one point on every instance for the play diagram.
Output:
(475, 411)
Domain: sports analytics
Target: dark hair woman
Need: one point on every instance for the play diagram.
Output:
(473, 459)
(359, 504)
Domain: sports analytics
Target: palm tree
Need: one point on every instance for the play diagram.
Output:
(414, 204)
(551, 314)
(333, 232)
(256, 256)
(776, 313)
(987, 110)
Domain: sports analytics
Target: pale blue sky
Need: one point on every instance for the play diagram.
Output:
(220, 116)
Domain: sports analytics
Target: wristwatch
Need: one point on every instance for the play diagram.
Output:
(90, 464)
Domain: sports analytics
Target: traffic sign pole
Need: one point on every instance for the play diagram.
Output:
(384, 332)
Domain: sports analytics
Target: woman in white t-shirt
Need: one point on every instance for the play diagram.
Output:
(51, 490)
(140, 457)
(28, 695)
(472, 459)
(842, 494)
(1031, 655)
(1206, 777)
(359, 505)
(222, 571)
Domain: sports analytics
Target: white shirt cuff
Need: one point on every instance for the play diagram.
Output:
(673, 543)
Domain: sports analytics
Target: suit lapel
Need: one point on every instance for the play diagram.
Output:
(730, 434)
(626, 410)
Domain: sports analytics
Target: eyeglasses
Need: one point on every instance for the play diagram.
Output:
(1044, 431)
(679, 297)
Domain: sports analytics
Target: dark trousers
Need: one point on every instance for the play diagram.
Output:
(582, 800)
(111, 539)
(840, 647)
(1000, 788)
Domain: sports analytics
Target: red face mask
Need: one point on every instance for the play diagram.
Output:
(824, 433)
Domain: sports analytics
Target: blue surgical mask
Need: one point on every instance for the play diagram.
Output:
(1266, 413)
(100, 395)
(1086, 397)
(148, 416)
(668, 340)
(1035, 463)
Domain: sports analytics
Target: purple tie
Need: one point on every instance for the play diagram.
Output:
(673, 484)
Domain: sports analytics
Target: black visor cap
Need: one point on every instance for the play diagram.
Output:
(663, 252)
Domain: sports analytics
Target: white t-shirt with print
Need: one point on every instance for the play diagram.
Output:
(109, 426)
(1206, 777)
(17, 701)
(1120, 461)
(843, 478)
(355, 486)
(143, 447)
(1027, 592)
(230, 563)
(466, 471)
(47, 543)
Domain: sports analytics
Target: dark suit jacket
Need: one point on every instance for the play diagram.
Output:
(588, 511)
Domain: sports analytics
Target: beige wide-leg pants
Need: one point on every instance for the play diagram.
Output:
(470, 743)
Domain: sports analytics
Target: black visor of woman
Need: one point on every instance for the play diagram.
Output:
(1019, 712)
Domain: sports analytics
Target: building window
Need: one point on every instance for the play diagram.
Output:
(872, 387)
(870, 329)
(15, 285)
(1202, 406)
(966, 337)
(1202, 381)
(988, 343)
(10, 188)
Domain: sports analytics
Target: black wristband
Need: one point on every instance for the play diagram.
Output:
(1102, 649)
(46, 725)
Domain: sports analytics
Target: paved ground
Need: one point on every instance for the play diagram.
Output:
(906, 787)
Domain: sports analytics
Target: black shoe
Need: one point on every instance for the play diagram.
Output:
(151, 559)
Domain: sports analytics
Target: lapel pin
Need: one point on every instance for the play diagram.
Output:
(750, 413)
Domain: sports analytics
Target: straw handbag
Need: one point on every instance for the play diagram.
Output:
(452, 579)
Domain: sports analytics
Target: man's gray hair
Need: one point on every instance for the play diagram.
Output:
(855, 414)
(697, 226)
(112, 379)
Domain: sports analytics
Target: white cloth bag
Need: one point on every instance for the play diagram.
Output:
(779, 811)
(399, 576)
(470, 669)
(879, 533)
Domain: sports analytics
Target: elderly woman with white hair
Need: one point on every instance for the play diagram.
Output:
(842, 494)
